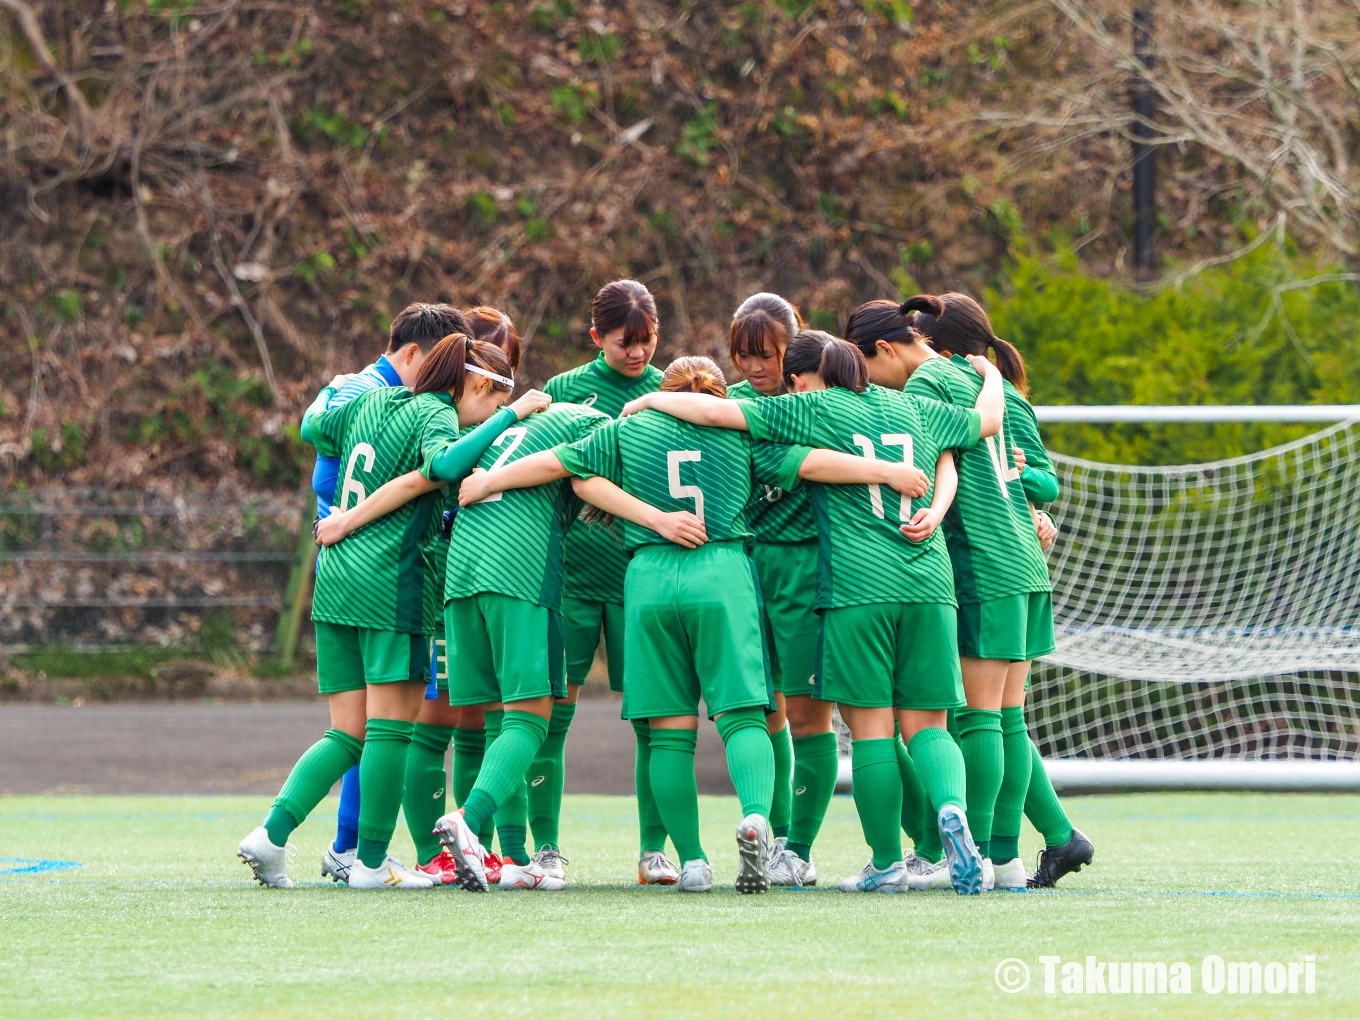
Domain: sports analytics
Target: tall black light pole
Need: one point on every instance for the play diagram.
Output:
(1144, 153)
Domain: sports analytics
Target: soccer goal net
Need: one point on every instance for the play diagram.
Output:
(1208, 621)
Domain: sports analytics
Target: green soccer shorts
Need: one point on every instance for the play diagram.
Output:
(348, 658)
(501, 648)
(1017, 627)
(891, 655)
(584, 620)
(694, 630)
(788, 586)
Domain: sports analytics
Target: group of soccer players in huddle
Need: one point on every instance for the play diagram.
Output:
(853, 524)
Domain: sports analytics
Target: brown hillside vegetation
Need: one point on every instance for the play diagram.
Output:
(210, 207)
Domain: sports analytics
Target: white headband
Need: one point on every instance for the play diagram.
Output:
(502, 379)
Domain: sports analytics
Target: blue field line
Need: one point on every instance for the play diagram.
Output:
(32, 866)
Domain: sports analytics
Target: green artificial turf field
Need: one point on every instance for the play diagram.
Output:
(158, 919)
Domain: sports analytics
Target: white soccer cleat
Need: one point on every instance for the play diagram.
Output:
(891, 879)
(988, 875)
(469, 856)
(965, 864)
(655, 868)
(923, 876)
(335, 865)
(552, 862)
(789, 870)
(529, 876)
(695, 876)
(1010, 875)
(753, 855)
(391, 874)
(268, 862)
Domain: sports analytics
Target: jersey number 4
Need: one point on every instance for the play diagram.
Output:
(867, 447)
(673, 461)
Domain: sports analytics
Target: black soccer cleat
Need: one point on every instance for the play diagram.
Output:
(1057, 861)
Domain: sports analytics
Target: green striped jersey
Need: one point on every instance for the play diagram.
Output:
(994, 551)
(385, 575)
(595, 560)
(863, 557)
(777, 514)
(674, 465)
(1038, 481)
(511, 542)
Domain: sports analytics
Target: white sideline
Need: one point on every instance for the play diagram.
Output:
(1076, 775)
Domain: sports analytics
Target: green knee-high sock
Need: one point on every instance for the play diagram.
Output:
(468, 748)
(981, 743)
(939, 763)
(321, 766)
(546, 776)
(503, 768)
(877, 790)
(815, 761)
(913, 795)
(492, 723)
(750, 758)
(1010, 799)
(382, 774)
(674, 789)
(781, 807)
(1042, 806)
(652, 830)
(422, 800)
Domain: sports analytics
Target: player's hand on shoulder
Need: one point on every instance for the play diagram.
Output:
(981, 364)
(475, 488)
(1020, 459)
(921, 526)
(909, 480)
(531, 402)
(636, 404)
(683, 528)
(340, 380)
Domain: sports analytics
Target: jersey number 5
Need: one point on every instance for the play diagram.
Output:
(352, 487)
(511, 438)
(866, 445)
(673, 461)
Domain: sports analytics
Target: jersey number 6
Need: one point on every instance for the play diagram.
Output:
(352, 487)
(673, 461)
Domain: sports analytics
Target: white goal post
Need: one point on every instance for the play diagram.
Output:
(1207, 615)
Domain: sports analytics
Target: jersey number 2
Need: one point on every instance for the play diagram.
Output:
(515, 436)
(866, 445)
(673, 461)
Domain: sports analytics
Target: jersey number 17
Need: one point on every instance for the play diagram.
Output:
(870, 452)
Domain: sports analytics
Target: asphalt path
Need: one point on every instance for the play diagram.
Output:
(134, 748)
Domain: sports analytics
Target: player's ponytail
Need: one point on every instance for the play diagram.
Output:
(694, 374)
(843, 365)
(958, 325)
(446, 368)
(880, 320)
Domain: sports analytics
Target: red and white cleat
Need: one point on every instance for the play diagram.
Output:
(529, 876)
(441, 868)
(493, 865)
(469, 856)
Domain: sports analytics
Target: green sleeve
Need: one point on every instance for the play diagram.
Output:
(791, 418)
(322, 428)
(954, 427)
(447, 458)
(777, 464)
(597, 455)
(930, 385)
(1022, 430)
